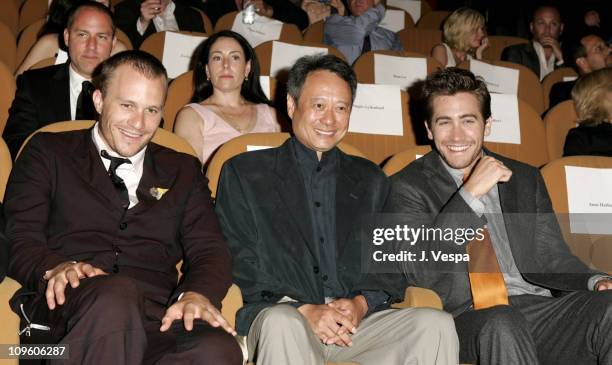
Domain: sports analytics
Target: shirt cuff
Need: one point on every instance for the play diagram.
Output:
(376, 300)
(474, 203)
(141, 28)
(594, 279)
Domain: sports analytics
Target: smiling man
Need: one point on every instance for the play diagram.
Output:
(289, 214)
(56, 93)
(98, 220)
(516, 310)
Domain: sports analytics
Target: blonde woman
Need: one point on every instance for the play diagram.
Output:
(465, 37)
(592, 97)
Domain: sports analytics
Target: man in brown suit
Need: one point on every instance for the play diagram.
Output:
(98, 220)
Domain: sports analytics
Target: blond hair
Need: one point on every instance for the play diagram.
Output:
(592, 97)
(459, 26)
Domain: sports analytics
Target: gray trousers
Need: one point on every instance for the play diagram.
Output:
(575, 329)
(281, 335)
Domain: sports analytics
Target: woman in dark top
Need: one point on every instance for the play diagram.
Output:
(592, 97)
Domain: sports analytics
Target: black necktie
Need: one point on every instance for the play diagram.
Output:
(367, 46)
(85, 109)
(116, 180)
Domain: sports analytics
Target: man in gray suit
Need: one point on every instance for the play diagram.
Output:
(554, 309)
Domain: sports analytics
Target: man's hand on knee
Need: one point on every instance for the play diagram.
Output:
(326, 323)
(603, 284)
(355, 309)
(191, 306)
(63, 274)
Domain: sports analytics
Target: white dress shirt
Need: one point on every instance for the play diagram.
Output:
(76, 84)
(131, 173)
(162, 21)
(546, 66)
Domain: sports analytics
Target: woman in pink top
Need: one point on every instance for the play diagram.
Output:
(228, 100)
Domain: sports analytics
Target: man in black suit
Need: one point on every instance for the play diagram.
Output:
(290, 216)
(548, 307)
(543, 54)
(98, 219)
(139, 19)
(585, 54)
(56, 93)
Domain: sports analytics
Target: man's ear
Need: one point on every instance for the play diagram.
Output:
(290, 106)
(429, 133)
(66, 37)
(487, 127)
(98, 100)
(583, 65)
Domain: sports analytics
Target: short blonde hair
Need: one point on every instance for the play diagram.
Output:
(592, 97)
(459, 26)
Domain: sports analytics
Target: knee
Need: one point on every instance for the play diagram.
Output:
(504, 321)
(434, 321)
(601, 306)
(219, 348)
(280, 318)
(114, 295)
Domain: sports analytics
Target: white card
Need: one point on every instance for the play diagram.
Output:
(569, 78)
(264, 81)
(506, 126)
(393, 20)
(412, 7)
(251, 147)
(499, 79)
(178, 49)
(589, 199)
(284, 55)
(402, 71)
(61, 57)
(262, 30)
(377, 110)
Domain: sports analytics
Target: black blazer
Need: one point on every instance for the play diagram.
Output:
(426, 194)
(61, 205)
(263, 211)
(587, 140)
(128, 11)
(42, 98)
(523, 54)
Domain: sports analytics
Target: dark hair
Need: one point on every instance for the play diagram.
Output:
(574, 49)
(203, 87)
(140, 61)
(308, 64)
(56, 19)
(91, 5)
(453, 80)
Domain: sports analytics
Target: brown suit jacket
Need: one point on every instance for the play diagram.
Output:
(61, 205)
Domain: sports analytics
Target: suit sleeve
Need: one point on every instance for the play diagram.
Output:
(207, 265)
(27, 205)
(23, 116)
(287, 12)
(126, 16)
(511, 54)
(342, 28)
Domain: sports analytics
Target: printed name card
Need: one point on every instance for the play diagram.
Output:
(589, 199)
(377, 110)
(506, 127)
(284, 55)
(412, 7)
(499, 79)
(61, 57)
(262, 30)
(178, 49)
(393, 20)
(252, 147)
(402, 71)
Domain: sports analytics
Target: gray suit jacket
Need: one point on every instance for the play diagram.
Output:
(522, 54)
(425, 193)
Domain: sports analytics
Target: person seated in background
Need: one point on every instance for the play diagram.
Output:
(465, 37)
(50, 38)
(99, 218)
(585, 53)
(282, 10)
(228, 100)
(289, 214)
(62, 92)
(543, 54)
(358, 31)
(139, 19)
(317, 10)
(592, 97)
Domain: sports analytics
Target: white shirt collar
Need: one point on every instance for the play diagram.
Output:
(546, 66)
(136, 161)
(76, 84)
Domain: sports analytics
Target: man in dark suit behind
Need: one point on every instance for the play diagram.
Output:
(543, 54)
(139, 19)
(460, 184)
(96, 250)
(56, 93)
(291, 215)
